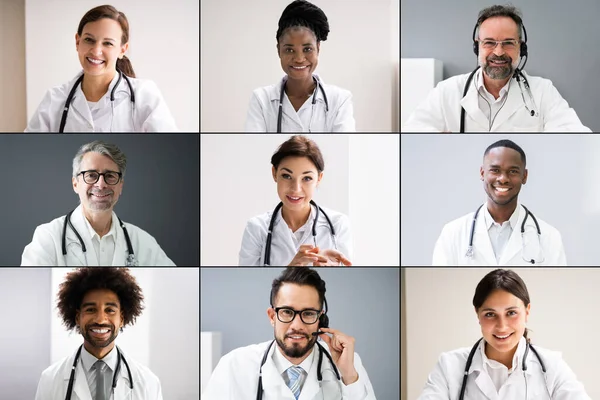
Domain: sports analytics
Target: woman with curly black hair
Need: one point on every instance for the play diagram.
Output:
(99, 303)
(301, 102)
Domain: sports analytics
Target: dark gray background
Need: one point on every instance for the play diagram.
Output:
(160, 191)
(363, 303)
(562, 37)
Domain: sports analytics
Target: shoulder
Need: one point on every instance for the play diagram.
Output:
(55, 369)
(546, 228)
(243, 356)
(336, 93)
(454, 81)
(259, 223)
(143, 84)
(142, 235)
(458, 223)
(266, 93)
(537, 80)
(145, 375)
(337, 218)
(51, 226)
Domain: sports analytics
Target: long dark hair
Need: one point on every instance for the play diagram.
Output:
(106, 11)
(501, 279)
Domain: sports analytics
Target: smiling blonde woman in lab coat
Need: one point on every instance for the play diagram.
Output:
(298, 170)
(301, 101)
(91, 301)
(107, 97)
(504, 365)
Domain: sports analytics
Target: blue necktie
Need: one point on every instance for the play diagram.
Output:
(295, 375)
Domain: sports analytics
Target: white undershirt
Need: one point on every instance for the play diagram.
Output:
(498, 372)
(105, 246)
(490, 106)
(500, 233)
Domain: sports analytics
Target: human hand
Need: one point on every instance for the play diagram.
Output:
(334, 258)
(341, 347)
(307, 253)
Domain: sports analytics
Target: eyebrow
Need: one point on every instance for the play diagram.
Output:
(498, 166)
(506, 309)
(291, 172)
(106, 38)
(489, 38)
(291, 45)
(94, 304)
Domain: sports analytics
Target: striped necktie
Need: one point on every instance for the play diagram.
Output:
(295, 380)
(98, 387)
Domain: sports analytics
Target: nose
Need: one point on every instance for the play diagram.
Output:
(499, 50)
(296, 186)
(299, 58)
(297, 324)
(97, 49)
(502, 178)
(100, 318)
(101, 182)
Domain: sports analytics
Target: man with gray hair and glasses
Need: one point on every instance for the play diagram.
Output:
(92, 234)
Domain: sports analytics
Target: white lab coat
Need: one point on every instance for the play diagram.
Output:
(441, 110)
(151, 113)
(236, 378)
(445, 382)
(54, 382)
(451, 246)
(264, 110)
(45, 248)
(283, 249)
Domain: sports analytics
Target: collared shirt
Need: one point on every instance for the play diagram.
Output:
(487, 103)
(105, 246)
(299, 234)
(282, 364)
(88, 361)
(500, 233)
(498, 372)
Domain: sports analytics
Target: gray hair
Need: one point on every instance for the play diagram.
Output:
(106, 149)
(501, 11)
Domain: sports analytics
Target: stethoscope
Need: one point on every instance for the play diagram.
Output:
(527, 214)
(131, 260)
(63, 120)
(314, 230)
(314, 100)
(116, 374)
(524, 367)
(259, 391)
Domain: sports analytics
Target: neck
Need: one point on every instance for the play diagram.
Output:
(494, 85)
(295, 219)
(505, 359)
(94, 87)
(300, 88)
(98, 352)
(501, 213)
(100, 221)
(296, 360)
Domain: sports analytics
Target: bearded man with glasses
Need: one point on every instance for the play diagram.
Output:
(92, 234)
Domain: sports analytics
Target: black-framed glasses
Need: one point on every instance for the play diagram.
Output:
(110, 177)
(286, 315)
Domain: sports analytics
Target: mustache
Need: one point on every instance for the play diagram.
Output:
(100, 327)
(495, 58)
(101, 193)
(297, 334)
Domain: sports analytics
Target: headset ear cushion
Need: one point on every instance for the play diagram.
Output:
(523, 52)
(324, 321)
(476, 48)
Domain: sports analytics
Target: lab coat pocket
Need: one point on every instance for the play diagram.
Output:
(75, 256)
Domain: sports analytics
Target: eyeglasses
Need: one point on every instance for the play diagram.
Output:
(506, 44)
(286, 315)
(110, 177)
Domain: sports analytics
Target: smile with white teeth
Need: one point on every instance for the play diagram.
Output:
(94, 61)
(300, 67)
(297, 337)
(502, 189)
(105, 330)
(503, 337)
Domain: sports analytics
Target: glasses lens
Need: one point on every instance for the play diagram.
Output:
(285, 315)
(509, 45)
(488, 44)
(90, 177)
(309, 317)
(111, 178)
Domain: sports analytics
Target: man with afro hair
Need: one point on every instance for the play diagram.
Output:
(98, 303)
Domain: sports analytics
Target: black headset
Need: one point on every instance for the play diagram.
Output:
(523, 53)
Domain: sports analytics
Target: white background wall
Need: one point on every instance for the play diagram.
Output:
(12, 65)
(239, 55)
(440, 317)
(163, 47)
(360, 180)
(164, 338)
(440, 182)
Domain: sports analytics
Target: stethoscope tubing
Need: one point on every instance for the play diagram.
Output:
(314, 100)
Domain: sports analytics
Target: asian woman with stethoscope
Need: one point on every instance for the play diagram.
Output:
(503, 364)
(301, 102)
(298, 232)
(105, 96)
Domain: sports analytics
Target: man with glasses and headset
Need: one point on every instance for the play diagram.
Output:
(294, 365)
(92, 234)
(489, 99)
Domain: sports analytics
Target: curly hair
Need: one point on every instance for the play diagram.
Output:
(77, 283)
(303, 13)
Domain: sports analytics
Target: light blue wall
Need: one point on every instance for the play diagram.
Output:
(562, 43)
(363, 303)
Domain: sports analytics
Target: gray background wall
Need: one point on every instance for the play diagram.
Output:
(560, 42)
(440, 182)
(160, 194)
(363, 303)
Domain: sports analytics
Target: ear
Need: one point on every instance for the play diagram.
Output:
(319, 178)
(77, 313)
(124, 49)
(277, 47)
(271, 315)
(74, 182)
(525, 176)
(274, 172)
(477, 315)
(318, 47)
(481, 172)
(527, 309)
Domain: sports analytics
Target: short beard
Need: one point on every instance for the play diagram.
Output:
(499, 73)
(295, 351)
(96, 343)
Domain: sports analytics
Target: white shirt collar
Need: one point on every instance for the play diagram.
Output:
(489, 221)
(480, 85)
(493, 364)
(92, 232)
(282, 363)
(88, 360)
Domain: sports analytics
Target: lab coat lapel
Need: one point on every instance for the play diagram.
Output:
(80, 386)
(483, 380)
(482, 245)
(123, 389)
(311, 384)
(273, 381)
(79, 224)
(121, 253)
(471, 105)
(513, 104)
(515, 242)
